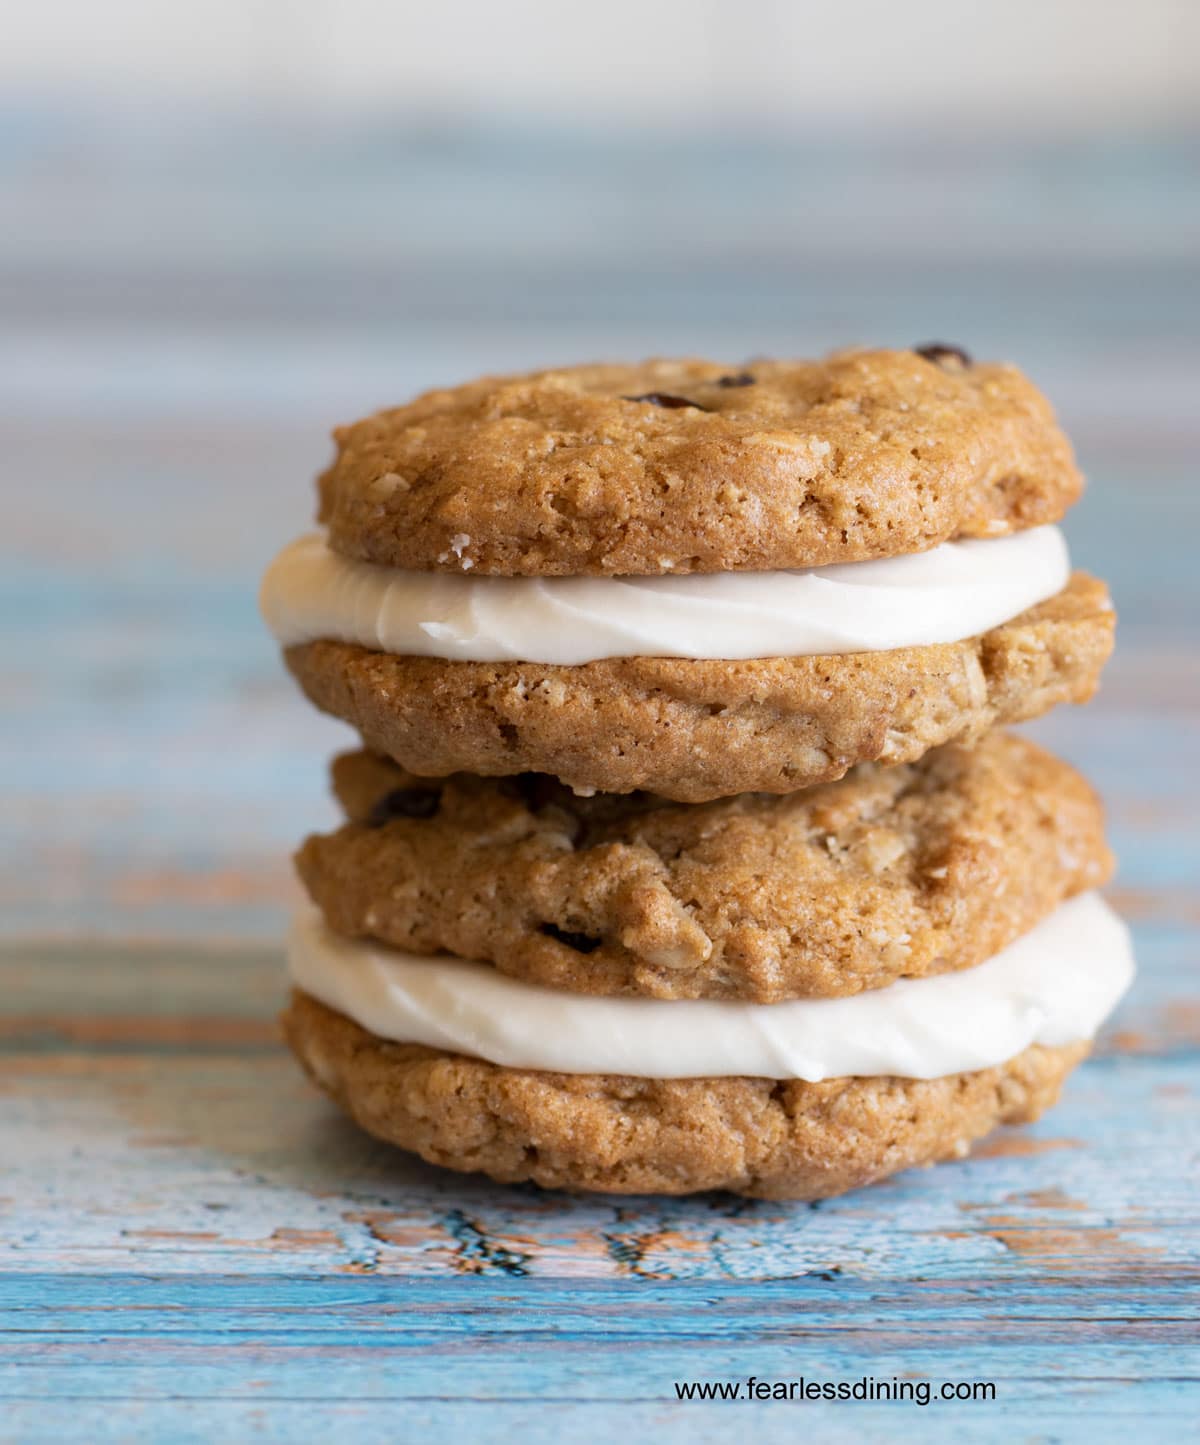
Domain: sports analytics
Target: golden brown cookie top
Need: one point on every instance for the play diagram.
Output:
(694, 466)
(893, 872)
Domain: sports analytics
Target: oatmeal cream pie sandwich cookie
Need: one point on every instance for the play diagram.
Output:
(695, 580)
(782, 996)
(478, 1071)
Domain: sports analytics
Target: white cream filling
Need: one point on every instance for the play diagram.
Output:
(951, 592)
(1055, 985)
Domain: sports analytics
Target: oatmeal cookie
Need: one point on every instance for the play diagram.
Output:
(925, 868)
(695, 466)
(622, 1135)
(696, 730)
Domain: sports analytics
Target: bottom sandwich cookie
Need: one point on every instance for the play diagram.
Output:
(478, 1071)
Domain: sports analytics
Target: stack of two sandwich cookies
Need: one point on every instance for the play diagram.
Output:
(683, 852)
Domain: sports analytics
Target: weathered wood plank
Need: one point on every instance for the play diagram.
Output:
(508, 1355)
(1106, 1412)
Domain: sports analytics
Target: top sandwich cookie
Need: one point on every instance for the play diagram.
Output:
(694, 466)
(693, 580)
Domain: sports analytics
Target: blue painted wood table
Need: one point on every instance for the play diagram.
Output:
(193, 1244)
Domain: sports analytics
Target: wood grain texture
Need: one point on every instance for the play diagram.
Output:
(193, 1245)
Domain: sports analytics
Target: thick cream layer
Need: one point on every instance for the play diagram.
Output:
(1055, 985)
(944, 595)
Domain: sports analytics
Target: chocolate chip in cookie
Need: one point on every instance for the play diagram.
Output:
(404, 803)
(580, 942)
(666, 400)
(940, 352)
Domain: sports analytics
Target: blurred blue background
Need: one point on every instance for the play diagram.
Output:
(228, 226)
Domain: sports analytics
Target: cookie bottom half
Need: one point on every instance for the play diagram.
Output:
(763, 1138)
(697, 730)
